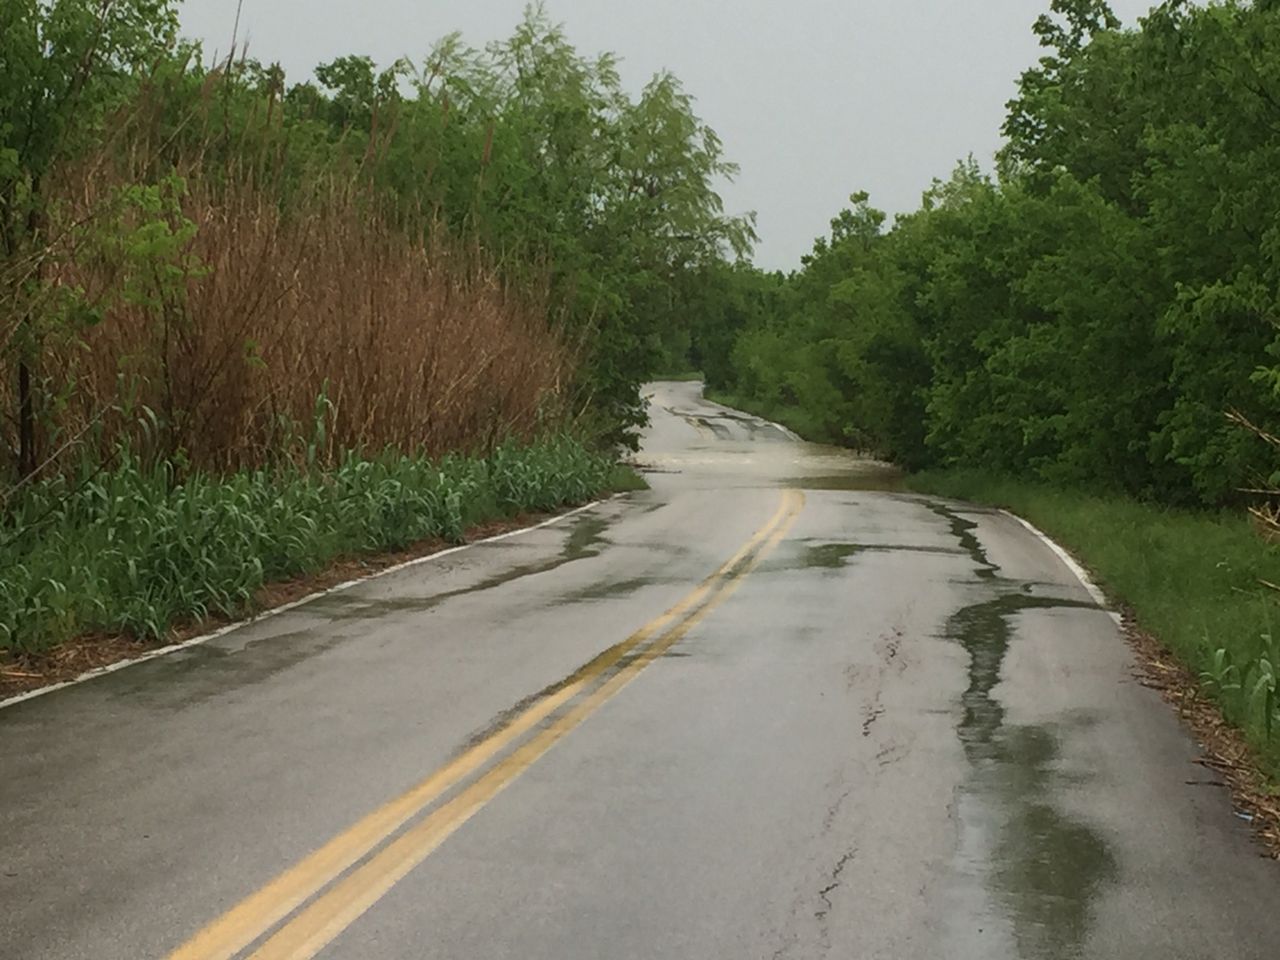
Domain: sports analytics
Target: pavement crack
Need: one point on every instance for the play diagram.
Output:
(893, 651)
(825, 893)
(833, 811)
(889, 754)
(889, 646)
(833, 881)
(874, 712)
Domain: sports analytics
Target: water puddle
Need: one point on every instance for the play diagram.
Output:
(609, 589)
(810, 555)
(585, 539)
(962, 529)
(1043, 868)
(205, 671)
(828, 555)
(866, 476)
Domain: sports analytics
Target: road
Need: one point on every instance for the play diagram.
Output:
(771, 708)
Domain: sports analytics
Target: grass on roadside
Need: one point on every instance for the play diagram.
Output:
(625, 479)
(134, 551)
(1193, 579)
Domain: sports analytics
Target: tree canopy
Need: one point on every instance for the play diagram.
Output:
(1090, 313)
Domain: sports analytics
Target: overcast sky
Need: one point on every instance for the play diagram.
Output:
(813, 98)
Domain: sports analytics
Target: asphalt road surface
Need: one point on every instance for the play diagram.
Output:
(772, 708)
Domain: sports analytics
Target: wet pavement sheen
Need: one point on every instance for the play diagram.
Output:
(909, 733)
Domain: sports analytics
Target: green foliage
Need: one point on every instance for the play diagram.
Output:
(1090, 314)
(134, 550)
(1082, 321)
(1192, 578)
(598, 202)
(541, 154)
(150, 240)
(67, 64)
(832, 349)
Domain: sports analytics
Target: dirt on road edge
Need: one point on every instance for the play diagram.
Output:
(1228, 759)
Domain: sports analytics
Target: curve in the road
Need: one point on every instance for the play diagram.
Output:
(598, 681)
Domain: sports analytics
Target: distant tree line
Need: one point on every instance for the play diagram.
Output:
(1102, 311)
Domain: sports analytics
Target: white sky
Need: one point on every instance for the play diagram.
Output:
(813, 98)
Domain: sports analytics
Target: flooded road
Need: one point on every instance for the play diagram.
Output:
(774, 707)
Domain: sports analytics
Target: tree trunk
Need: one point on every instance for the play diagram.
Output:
(28, 347)
(26, 422)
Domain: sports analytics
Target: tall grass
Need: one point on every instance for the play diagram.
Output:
(228, 286)
(135, 550)
(412, 344)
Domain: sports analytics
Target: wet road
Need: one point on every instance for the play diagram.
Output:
(771, 708)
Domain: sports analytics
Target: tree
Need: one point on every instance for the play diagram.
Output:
(66, 65)
(541, 155)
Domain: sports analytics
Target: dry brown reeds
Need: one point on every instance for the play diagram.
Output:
(413, 344)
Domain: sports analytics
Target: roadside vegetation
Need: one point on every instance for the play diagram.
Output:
(136, 549)
(1097, 319)
(250, 325)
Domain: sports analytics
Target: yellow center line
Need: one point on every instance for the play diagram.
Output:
(254, 916)
(322, 921)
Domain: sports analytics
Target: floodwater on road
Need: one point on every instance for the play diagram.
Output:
(775, 706)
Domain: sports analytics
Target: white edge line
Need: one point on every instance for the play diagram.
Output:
(1073, 565)
(786, 431)
(291, 605)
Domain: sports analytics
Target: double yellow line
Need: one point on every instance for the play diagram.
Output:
(540, 725)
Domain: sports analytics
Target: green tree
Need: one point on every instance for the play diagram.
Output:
(67, 64)
(541, 155)
(1091, 314)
